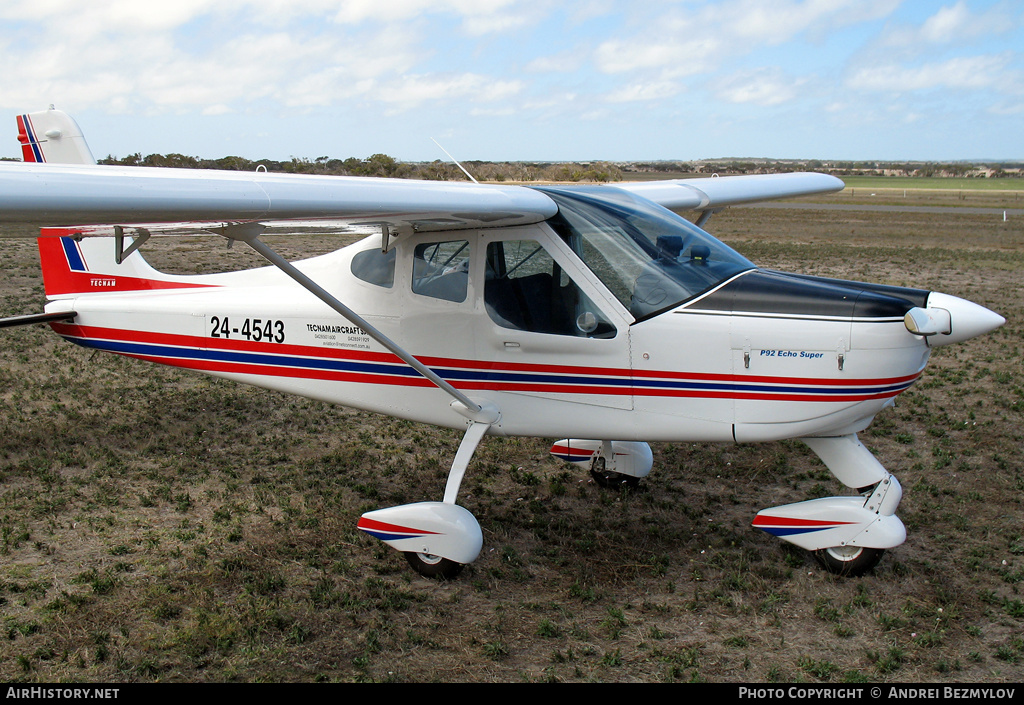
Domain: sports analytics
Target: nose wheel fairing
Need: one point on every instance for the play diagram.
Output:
(833, 522)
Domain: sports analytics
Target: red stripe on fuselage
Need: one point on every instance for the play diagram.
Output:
(555, 386)
(192, 341)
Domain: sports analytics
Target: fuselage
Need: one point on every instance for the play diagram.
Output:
(541, 322)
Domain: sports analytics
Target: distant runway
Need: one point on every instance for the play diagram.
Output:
(942, 210)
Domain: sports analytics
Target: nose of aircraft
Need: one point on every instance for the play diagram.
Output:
(966, 319)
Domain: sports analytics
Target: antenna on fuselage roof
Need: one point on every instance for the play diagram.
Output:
(455, 160)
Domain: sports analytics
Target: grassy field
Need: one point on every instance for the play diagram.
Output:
(156, 525)
(908, 191)
(933, 183)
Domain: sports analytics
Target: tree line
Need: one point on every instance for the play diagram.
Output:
(383, 165)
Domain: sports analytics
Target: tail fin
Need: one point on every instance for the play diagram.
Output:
(52, 136)
(72, 267)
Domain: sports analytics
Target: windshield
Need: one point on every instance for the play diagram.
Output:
(651, 259)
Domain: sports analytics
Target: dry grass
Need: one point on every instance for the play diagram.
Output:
(160, 525)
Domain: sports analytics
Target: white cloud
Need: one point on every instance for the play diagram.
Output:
(589, 65)
(635, 92)
(563, 62)
(946, 24)
(779, 21)
(695, 38)
(411, 91)
(973, 72)
(764, 87)
(478, 16)
(673, 58)
(954, 25)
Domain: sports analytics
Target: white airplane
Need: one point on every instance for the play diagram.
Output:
(592, 313)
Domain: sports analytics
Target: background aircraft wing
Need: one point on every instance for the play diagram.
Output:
(80, 195)
(712, 193)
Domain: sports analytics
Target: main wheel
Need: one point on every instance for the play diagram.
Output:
(609, 478)
(615, 480)
(849, 561)
(431, 566)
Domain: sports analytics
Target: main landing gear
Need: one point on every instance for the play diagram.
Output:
(437, 538)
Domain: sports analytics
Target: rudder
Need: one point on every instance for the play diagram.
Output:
(52, 136)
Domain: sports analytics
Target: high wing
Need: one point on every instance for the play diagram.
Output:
(713, 193)
(76, 194)
(60, 184)
(193, 199)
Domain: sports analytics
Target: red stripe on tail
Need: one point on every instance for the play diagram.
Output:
(65, 271)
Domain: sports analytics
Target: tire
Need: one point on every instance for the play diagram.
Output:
(614, 480)
(431, 566)
(849, 561)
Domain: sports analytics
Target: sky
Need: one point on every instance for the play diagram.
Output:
(524, 80)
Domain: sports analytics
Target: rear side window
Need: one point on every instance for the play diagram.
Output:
(375, 267)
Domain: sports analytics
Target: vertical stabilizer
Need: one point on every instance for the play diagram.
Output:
(73, 267)
(52, 136)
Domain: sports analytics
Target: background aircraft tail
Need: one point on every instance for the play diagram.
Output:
(73, 267)
(52, 136)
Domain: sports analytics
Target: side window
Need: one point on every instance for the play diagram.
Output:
(525, 289)
(441, 270)
(375, 267)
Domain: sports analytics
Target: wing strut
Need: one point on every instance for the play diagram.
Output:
(120, 253)
(249, 233)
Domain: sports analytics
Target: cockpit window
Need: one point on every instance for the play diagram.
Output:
(651, 259)
(526, 289)
(441, 270)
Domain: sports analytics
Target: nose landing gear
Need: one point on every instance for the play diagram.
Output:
(848, 535)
